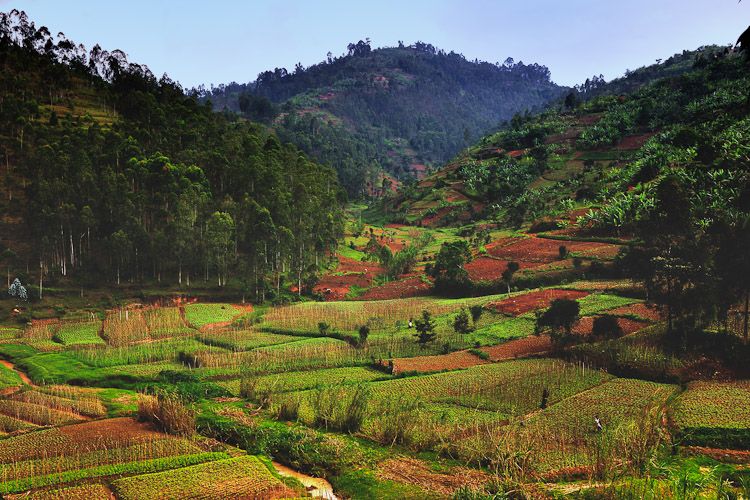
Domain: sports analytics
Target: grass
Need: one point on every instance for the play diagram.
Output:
(245, 340)
(200, 315)
(36, 413)
(9, 378)
(503, 330)
(310, 379)
(600, 302)
(86, 333)
(714, 414)
(234, 477)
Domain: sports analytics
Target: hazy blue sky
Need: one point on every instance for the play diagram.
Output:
(217, 41)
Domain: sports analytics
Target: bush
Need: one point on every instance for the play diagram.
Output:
(167, 413)
(476, 312)
(606, 327)
(461, 322)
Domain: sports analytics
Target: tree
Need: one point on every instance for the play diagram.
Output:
(8, 256)
(17, 290)
(364, 332)
(508, 273)
(476, 312)
(425, 328)
(220, 234)
(606, 327)
(448, 270)
(559, 318)
(461, 322)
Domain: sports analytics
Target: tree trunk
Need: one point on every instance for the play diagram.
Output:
(747, 303)
(41, 277)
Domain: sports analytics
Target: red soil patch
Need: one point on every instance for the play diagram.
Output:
(395, 226)
(586, 325)
(415, 472)
(720, 454)
(641, 310)
(349, 273)
(590, 119)
(419, 170)
(541, 249)
(489, 269)
(454, 196)
(633, 142)
(533, 344)
(424, 364)
(412, 286)
(517, 153)
(532, 301)
(434, 219)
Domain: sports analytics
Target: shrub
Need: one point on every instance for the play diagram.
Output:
(323, 328)
(461, 322)
(167, 413)
(364, 332)
(476, 312)
(606, 327)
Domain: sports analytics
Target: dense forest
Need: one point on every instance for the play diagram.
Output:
(112, 176)
(398, 109)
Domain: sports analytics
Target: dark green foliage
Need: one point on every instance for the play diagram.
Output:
(448, 271)
(559, 318)
(476, 312)
(461, 322)
(380, 105)
(364, 332)
(156, 186)
(510, 270)
(606, 327)
(425, 327)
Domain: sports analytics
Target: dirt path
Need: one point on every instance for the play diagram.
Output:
(25, 378)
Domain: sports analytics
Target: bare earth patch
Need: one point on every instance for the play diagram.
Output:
(528, 302)
(452, 361)
(527, 346)
(415, 472)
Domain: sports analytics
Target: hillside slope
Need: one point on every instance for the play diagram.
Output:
(401, 109)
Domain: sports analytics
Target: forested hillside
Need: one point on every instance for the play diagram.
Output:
(399, 109)
(111, 175)
(665, 168)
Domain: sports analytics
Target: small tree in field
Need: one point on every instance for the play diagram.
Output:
(425, 327)
(461, 322)
(606, 327)
(17, 290)
(510, 270)
(324, 328)
(364, 332)
(476, 312)
(562, 252)
(559, 319)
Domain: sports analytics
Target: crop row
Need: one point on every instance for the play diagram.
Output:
(137, 467)
(245, 477)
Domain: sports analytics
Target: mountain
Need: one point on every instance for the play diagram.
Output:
(402, 109)
(112, 176)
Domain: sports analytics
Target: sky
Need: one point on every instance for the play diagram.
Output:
(219, 41)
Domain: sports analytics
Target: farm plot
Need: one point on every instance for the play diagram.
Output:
(349, 273)
(348, 316)
(125, 326)
(94, 491)
(501, 331)
(165, 322)
(602, 302)
(83, 406)
(491, 269)
(569, 427)
(412, 286)
(542, 250)
(79, 333)
(36, 413)
(638, 311)
(533, 344)
(41, 329)
(308, 379)
(71, 439)
(202, 316)
(245, 340)
(714, 414)
(532, 301)
(424, 364)
(245, 477)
